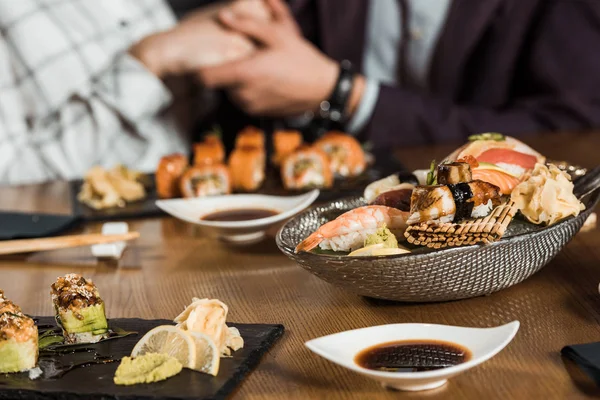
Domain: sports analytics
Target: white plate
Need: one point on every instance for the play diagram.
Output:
(484, 343)
(240, 232)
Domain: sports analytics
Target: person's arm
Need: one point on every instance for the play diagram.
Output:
(562, 70)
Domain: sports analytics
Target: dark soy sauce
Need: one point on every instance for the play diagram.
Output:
(412, 356)
(239, 214)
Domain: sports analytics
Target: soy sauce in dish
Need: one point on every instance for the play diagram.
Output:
(239, 214)
(412, 356)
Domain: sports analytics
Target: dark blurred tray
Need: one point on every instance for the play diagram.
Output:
(96, 381)
(385, 164)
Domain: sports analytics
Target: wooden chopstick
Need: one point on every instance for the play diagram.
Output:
(61, 242)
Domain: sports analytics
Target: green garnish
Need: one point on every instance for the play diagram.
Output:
(498, 137)
(431, 178)
(216, 131)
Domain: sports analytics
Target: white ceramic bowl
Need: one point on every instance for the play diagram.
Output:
(237, 232)
(484, 343)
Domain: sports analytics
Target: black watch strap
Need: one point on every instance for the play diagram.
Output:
(334, 108)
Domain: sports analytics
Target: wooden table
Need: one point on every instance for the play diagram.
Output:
(170, 264)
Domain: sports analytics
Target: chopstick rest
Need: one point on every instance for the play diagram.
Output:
(587, 357)
(115, 249)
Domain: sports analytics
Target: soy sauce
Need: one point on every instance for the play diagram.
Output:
(412, 356)
(239, 214)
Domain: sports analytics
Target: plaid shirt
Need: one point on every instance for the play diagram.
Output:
(70, 95)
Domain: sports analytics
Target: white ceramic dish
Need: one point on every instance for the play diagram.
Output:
(238, 232)
(484, 343)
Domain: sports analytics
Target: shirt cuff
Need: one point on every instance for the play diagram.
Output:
(133, 91)
(365, 107)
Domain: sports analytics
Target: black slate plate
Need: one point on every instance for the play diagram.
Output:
(15, 225)
(385, 164)
(96, 381)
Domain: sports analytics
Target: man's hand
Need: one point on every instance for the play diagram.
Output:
(199, 41)
(286, 77)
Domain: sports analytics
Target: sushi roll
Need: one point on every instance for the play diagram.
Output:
(391, 182)
(79, 309)
(170, 169)
(208, 180)
(247, 168)
(18, 338)
(346, 156)
(210, 151)
(452, 203)
(250, 137)
(453, 173)
(306, 168)
(284, 144)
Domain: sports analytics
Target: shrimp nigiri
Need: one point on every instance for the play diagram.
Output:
(349, 231)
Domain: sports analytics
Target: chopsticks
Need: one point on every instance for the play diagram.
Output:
(61, 242)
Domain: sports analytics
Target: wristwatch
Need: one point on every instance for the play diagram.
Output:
(333, 110)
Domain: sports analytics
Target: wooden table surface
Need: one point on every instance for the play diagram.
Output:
(171, 263)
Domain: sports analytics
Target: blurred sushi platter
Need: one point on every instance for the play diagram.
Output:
(336, 163)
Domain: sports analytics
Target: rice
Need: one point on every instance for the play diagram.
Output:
(349, 241)
(512, 169)
(482, 210)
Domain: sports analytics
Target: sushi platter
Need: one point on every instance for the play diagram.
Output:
(463, 228)
(88, 357)
(336, 164)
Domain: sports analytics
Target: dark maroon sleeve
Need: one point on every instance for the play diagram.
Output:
(562, 71)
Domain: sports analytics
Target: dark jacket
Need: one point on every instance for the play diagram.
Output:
(511, 66)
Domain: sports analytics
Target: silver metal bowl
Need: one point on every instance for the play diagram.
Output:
(428, 275)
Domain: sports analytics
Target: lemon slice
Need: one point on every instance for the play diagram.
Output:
(208, 357)
(169, 340)
(389, 252)
(366, 251)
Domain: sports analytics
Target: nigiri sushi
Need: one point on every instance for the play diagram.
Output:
(247, 168)
(306, 168)
(79, 309)
(18, 338)
(390, 182)
(208, 180)
(453, 173)
(349, 231)
(399, 197)
(210, 151)
(284, 144)
(505, 152)
(250, 136)
(505, 181)
(170, 169)
(448, 203)
(347, 158)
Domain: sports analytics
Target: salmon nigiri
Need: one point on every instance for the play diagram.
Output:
(505, 181)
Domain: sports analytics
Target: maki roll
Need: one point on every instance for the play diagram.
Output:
(250, 137)
(284, 144)
(247, 168)
(306, 168)
(208, 180)
(79, 309)
(452, 203)
(210, 151)
(18, 338)
(346, 156)
(170, 169)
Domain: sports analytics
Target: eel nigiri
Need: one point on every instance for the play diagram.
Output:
(453, 173)
(349, 231)
(18, 338)
(448, 203)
